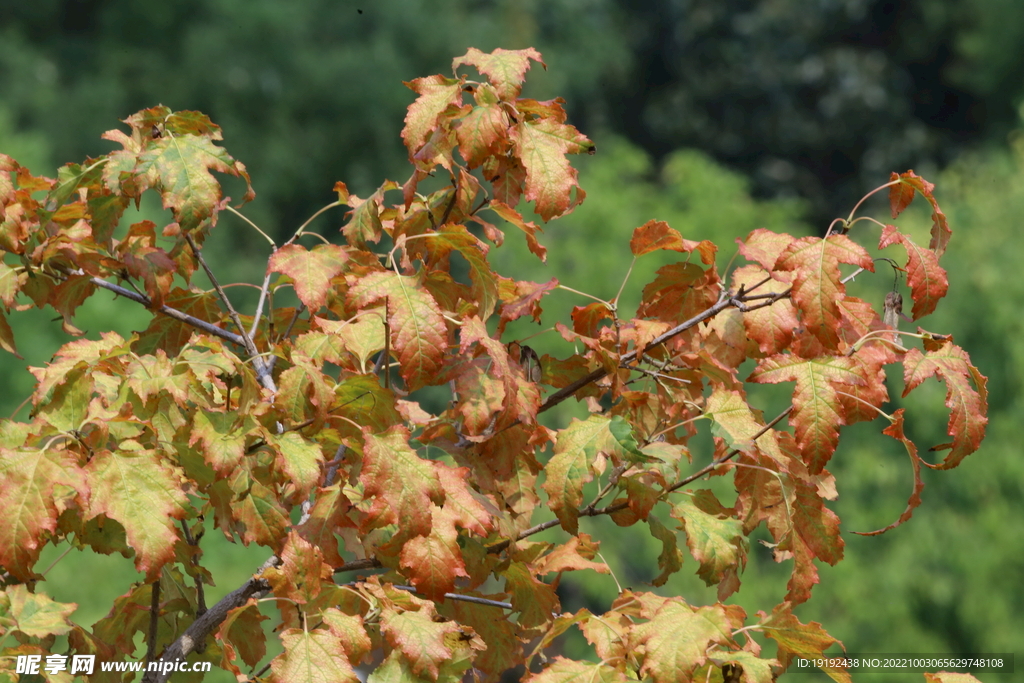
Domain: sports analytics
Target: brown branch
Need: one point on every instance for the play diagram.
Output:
(202, 627)
(154, 620)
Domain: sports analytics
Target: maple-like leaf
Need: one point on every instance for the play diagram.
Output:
(143, 492)
(505, 69)
(535, 600)
(795, 638)
(399, 481)
(716, 541)
(310, 270)
(770, 326)
(452, 237)
(241, 634)
(817, 412)
(572, 466)
(816, 287)
(654, 235)
(574, 555)
(298, 458)
(181, 166)
(927, 279)
(312, 657)
(481, 133)
(36, 615)
(902, 193)
(417, 326)
(27, 481)
(550, 178)
(434, 561)
(671, 558)
(562, 670)
(764, 247)
(968, 404)
(436, 94)
(529, 228)
(419, 638)
(222, 438)
(678, 637)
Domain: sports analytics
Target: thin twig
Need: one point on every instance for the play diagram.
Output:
(154, 620)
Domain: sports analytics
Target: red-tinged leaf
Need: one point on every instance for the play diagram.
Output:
(771, 326)
(222, 437)
(816, 285)
(577, 448)
(350, 630)
(900, 196)
(10, 282)
(817, 412)
(303, 568)
(949, 677)
(241, 634)
(436, 94)
(504, 650)
(529, 228)
(149, 375)
(399, 481)
(716, 541)
(671, 558)
(328, 514)
(144, 493)
(562, 670)
(27, 495)
(795, 638)
(535, 600)
(420, 639)
(465, 509)
(927, 279)
(523, 298)
(452, 237)
(678, 637)
(312, 657)
(34, 614)
(7, 336)
(299, 459)
(764, 247)
(170, 334)
(968, 404)
(576, 554)
(311, 271)
(654, 235)
(419, 334)
(182, 164)
(259, 511)
(481, 133)
(505, 69)
(679, 292)
(895, 430)
(753, 668)
(433, 561)
(732, 419)
(550, 178)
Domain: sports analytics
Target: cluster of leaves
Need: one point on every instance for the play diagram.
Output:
(298, 431)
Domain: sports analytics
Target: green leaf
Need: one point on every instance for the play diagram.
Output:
(572, 466)
(312, 657)
(37, 615)
(715, 540)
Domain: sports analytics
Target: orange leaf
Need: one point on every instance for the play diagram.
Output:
(927, 279)
(968, 406)
(900, 197)
(401, 484)
(310, 270)
(505, 69)
(816, 286)
(895, 430)
(550, 179)
(436, 94)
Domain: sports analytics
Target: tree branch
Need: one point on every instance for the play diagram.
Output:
(201, 628)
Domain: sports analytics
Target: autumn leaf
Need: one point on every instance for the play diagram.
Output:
(572, 466)
(902, 193)
(816, 287)
(795, 638)
(436, 94)
(817, 412)
(310, 270)
(550, 179)
(716, 541)
(419, 638)
(968, 404)
(417, 326)
(654, 235)
(312, 657)
(181, 166)
(678, 637)
(144, 494)
(400, 483)
(927, 279)
(36, 615)
(562, 670)
(481, 133)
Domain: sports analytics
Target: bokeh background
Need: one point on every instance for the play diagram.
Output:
(718, 116)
